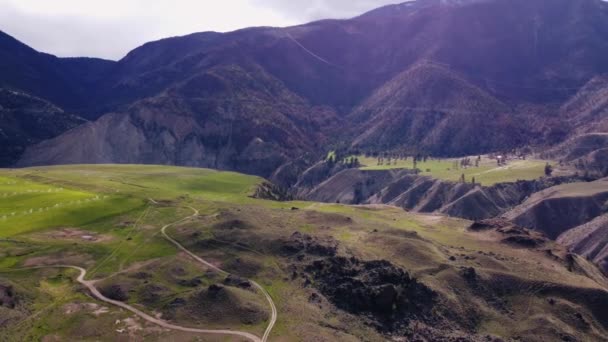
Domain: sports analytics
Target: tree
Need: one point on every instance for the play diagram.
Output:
(548, 170)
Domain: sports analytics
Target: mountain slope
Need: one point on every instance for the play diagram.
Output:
(228, 117)
(26, 120)
(67, 82)
(589, 240)
(433, 108)
(558, 209)
(458, 76)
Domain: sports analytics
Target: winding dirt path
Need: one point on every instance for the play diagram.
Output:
(274, 315)
(90, 285)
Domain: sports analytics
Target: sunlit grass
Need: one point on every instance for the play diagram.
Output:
(487, 173)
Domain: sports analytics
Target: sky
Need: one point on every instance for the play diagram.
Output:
(111, 28)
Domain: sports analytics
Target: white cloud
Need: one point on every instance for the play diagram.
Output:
(111, 28)
(321, 9)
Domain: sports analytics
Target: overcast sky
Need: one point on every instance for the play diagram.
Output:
(111, 28)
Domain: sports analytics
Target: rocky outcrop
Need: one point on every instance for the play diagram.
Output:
(381, 292)
(351, 186)
(511, 234)
(590, 241)
(7, 296)
(555, 210)
(378, 288)
(270, 191)
(423, 194)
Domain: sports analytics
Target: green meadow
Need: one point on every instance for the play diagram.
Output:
(487, 173)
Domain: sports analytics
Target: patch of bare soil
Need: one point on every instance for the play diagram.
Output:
(92, 308)
(58, 259)
(75, 234)
(509, 233)
(319, 218)
(233, 224)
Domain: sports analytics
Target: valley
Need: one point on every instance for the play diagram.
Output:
(435, 170)
(187, 248)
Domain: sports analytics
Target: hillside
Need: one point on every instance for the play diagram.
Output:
(26, 120)
(438, 76)
(109, 252)
(228, 117)
(558, 209)
(590, 241)
(69, 83)
(426, 106)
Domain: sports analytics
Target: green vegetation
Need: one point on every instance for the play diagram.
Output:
(487, 173)
(115, 236)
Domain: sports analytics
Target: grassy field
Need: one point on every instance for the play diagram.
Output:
(488, 173)
(107, 219)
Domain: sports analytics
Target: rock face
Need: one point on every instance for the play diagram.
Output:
(556, 210)
(115, 292)
(511, 234)
(376, 287)
(386, 295)
(7, 296)
(589, 240)
(227, 118)
(424, 194)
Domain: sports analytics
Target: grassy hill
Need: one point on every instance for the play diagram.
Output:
(448, 280)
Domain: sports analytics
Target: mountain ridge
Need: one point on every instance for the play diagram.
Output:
(510, 56)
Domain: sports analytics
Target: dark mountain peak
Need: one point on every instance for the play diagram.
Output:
(25, 120)
(8, 43)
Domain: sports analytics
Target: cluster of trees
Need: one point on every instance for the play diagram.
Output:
(392, 158)
(463, 179)
(467, 162)
(350, 162)
(548, 170)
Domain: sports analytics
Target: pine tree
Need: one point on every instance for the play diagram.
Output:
(548, 170)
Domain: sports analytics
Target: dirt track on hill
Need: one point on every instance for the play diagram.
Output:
(90, 285)
(274, 315)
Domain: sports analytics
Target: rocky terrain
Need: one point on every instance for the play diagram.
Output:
(428, 75)
(424, 194)
(26, 120)
(589, 240)
(558, 209)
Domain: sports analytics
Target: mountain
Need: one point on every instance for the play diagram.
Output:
(426, 106)
(227, 117)
(26, 120)
(446, 77)
(67, 82)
